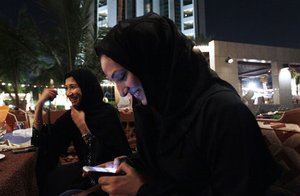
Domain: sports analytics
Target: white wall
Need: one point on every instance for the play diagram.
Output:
(220, 50)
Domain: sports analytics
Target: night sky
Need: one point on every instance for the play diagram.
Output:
(265, 22)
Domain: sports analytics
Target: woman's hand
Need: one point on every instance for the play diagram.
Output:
(47, 94)
(127, 184)
(115, 163)
(78, 118)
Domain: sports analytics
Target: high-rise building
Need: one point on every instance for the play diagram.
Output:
(188, 15)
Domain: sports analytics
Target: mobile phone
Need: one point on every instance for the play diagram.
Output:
(96, 171)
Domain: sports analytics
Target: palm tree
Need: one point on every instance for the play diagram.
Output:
(16, 55)
(202, 39)
(296, 76)
(33, 51)
(71, 31)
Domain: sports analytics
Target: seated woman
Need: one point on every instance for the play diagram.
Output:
(194, 134)
(91, 125)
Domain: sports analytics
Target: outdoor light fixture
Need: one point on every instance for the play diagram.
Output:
(229, 60)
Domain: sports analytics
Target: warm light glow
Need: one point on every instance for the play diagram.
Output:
(251, 85)
(256, 61)
(285, 78)
(229, 60)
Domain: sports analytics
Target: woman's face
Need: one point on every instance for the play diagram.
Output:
(125, 81)
(73, 91)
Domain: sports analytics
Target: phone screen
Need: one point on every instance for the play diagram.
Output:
(100, 171)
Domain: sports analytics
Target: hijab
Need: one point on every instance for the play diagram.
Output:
(92, 93)
(172, 75)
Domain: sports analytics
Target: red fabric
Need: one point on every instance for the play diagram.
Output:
(285, 146)
(17, 174)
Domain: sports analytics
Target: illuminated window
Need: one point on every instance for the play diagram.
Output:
(188, 25)
(187, 13)
(102, 18)
(148, 6)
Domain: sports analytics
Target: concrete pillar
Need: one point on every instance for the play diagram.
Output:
(285, 90)
(275, 67)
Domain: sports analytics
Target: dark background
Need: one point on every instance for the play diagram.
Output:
(265, 22)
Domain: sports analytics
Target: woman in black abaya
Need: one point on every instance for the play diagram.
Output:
(91, 125)
(194, 134)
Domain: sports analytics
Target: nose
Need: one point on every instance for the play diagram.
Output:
(123, 90)
(68, 92)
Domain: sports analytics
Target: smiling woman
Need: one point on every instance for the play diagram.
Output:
(92, 126)
(194, 134)
(125, 81)
(73, 91)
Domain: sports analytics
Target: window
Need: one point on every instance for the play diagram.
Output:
(187, 13)
(188, 25)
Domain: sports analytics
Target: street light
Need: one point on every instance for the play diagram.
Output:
(229, 60)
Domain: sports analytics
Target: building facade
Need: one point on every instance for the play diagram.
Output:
(254, 64)
(182, 12)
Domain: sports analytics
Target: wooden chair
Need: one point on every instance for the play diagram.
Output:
(3, 114)
(290, 116)
(16, 116)
(127, 120)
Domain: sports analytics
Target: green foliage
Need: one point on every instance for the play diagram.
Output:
(33, 51)
(103, 32)
(17, 55)
(72, 32)
(295, 75)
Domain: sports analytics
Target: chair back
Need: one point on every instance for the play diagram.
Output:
(291, 116)
(17, 119)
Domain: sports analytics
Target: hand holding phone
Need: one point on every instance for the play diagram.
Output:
(97, 171)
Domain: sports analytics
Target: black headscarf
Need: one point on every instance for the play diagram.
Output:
(172, 75)
(178, 82)
(153, 49)
(92, 94)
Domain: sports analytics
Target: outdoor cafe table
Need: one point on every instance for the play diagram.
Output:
(17, 174)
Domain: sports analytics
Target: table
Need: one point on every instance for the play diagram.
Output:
(283, 140)
(18, 171)
(17, 174)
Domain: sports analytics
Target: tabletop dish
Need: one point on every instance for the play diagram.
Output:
(2, 156)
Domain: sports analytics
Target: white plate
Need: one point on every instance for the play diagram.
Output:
(2, 156)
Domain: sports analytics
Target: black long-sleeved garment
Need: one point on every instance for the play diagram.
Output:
(108, 139)
(222, 151)
(195, 136)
